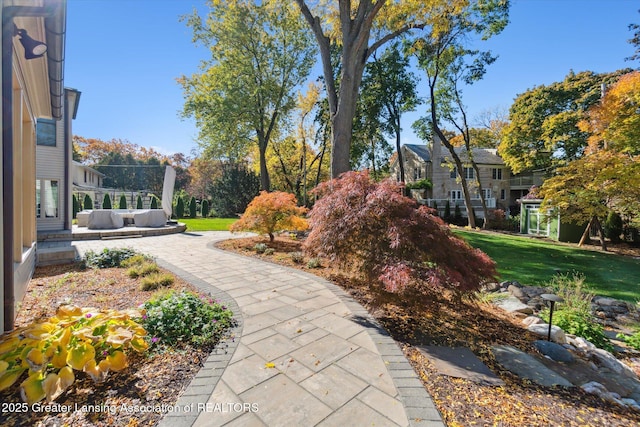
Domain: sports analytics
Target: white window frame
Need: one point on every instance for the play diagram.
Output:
(51, 210)
(456, 195)
(496, 173)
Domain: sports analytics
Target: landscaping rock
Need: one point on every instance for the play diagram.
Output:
(542, 329)
(607, 360)
(532, 320)
(554, 351)
(527, 366)
(517, 292)
(581, 344)
(598, 389)
(513, 304)
(491, 287)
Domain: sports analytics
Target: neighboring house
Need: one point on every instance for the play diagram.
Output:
(436, 164)
(87, 181)
(32, 89)
(53, 171)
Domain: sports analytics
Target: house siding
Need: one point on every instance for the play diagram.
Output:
(50, 165)
(438, 170)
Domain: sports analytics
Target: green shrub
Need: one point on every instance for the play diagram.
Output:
(106, 201)
(423, 184)
(87, 203)
(205, 208)
(154, 202)
(180, 208)
(173, 319)
(573, 315)
(156, 280)
(108, 257)
(581, 325)
(631, 340)
(269, 251)
(193, 207)
(447, 211)
(76, 206)
(123, 202)
(613, 226)
(139, 202)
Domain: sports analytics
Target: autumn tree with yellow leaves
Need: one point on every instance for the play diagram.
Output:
(607, 177)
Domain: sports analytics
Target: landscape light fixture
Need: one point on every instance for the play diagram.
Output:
(32, 48)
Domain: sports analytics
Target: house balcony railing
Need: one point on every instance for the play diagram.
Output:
(475, 202)
(524, 182)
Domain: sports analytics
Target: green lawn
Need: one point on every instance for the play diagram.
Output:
(208, 224)
(534, 262)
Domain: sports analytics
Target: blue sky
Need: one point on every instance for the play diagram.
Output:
(125, 55)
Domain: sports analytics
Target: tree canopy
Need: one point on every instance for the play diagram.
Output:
(260, 53)
(607, 177)
(543, 132)
(358, 29)
(615, 121)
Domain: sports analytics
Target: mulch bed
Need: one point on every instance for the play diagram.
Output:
(441, 319)
(136, 396)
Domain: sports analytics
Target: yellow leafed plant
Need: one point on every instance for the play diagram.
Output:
(83, 339)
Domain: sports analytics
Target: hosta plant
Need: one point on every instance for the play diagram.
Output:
(75, 339)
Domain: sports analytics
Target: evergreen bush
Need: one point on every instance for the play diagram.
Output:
(106, 202)
(193, 207)
(139, 202)
(123, 202)
(76, 206)
(154, 202)
(180, 208)
(205, 208)
(87, 203)
(613, 226)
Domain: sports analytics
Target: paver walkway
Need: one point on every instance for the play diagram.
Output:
(305, 353)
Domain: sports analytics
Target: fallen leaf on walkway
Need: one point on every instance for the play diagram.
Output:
(269, 365)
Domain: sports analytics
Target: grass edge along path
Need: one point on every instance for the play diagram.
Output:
(208, 224)
(534, 262)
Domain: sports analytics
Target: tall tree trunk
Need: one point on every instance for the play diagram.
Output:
(456, 159)
(400, 158)
(265, 183)
(485, 211)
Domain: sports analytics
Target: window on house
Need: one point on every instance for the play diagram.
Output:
(47, 195)
(46, 132)
(503, 194)
(486, 193)
(497, 173)
(455, 195)
(469, 173)
(454, 173)
(85, 176)
(417, 174)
